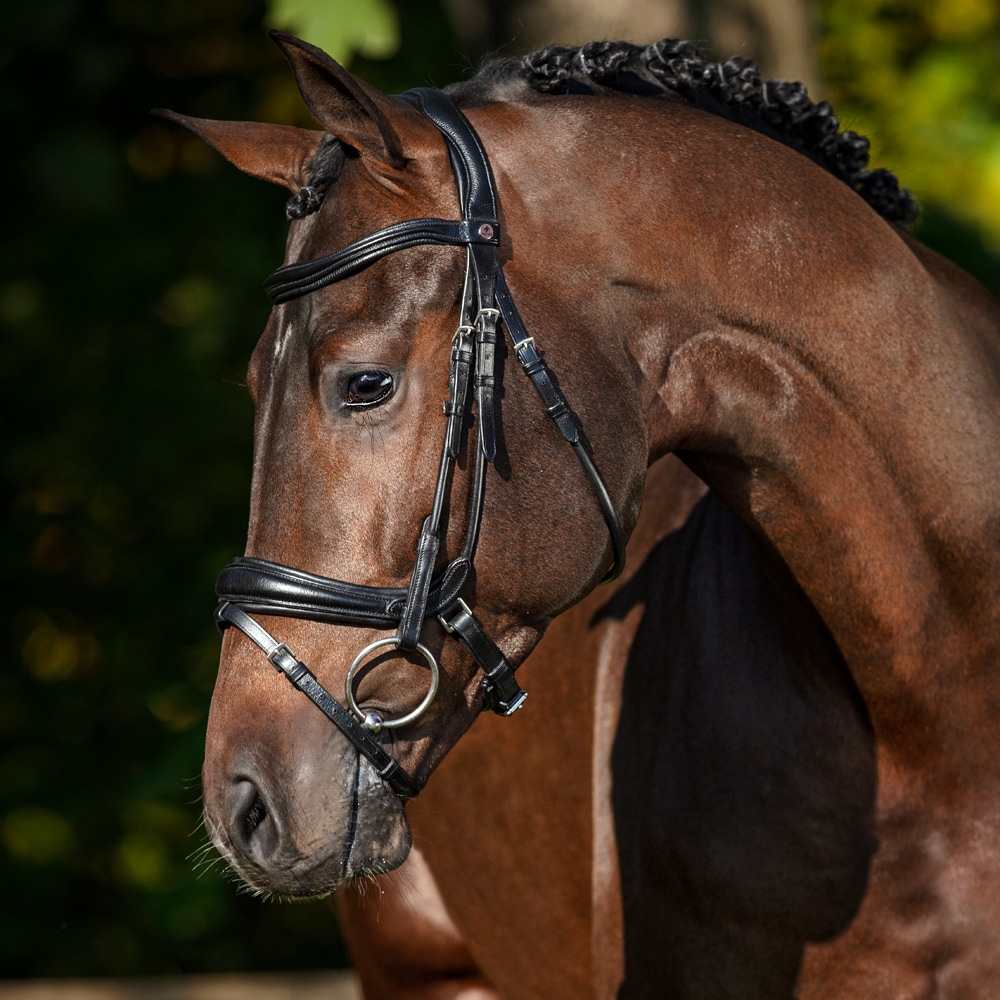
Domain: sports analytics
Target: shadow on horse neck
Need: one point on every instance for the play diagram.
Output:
(690, 286)
(744, 769)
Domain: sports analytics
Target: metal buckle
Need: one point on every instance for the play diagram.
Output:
(448, 628)
(280, 650)
(487, 314)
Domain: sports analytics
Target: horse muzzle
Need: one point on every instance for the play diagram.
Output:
(300, 819)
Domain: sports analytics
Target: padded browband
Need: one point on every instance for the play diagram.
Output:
(475, 193)
(267, 588)
(294, 280)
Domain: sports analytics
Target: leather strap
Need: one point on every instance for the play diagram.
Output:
(485, 381)
(470, 164)
(295, 280)
(415, 608)
(462, 356)
(267, 588)
(503, 694)
(300, 676)
(477, 195)
(559, 410)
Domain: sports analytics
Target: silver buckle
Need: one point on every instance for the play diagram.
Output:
(451, 631)
(486, 313)
(277, 651)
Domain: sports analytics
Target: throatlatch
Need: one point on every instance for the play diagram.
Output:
(250, 586)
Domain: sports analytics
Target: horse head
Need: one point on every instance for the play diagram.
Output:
(382, 522)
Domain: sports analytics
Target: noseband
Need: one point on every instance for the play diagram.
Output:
(249, 586)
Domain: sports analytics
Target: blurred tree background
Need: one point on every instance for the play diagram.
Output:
(130, 302)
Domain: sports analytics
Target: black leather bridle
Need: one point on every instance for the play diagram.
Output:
(249, 586)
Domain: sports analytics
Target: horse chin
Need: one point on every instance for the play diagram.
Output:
(381, 838)
(279, 852)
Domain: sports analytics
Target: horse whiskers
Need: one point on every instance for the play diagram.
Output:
(368, 890)
(206, 859)
(213, 854)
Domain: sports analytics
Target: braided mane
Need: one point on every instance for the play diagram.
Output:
(732, 89)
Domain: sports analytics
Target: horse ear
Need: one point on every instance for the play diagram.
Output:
(355, 112)
(277, 153)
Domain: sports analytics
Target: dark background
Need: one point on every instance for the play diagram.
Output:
(130, 296)
(130, 301)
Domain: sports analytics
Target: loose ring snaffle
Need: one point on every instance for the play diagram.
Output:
(373, 722)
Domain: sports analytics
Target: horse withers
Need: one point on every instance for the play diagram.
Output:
(763, 762)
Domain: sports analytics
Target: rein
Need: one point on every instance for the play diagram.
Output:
(249, 586)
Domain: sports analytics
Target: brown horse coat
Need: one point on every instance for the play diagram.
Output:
(766, 763)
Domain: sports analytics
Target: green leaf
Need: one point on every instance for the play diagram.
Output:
(367, 27)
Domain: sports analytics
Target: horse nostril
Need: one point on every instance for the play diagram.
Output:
(252, 823)
(256, 815)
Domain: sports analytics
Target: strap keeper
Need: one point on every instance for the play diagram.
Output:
(446, 625)
(286, 662)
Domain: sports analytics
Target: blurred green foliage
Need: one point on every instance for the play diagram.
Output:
(920, 78)
(367, 27)
(130, 301)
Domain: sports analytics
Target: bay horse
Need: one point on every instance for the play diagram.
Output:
(761, 761)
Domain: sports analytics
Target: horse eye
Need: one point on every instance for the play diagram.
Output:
(368, 389)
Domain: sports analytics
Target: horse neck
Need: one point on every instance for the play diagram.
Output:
(836, 386)
(840, 393)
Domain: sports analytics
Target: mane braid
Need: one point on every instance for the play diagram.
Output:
(732, 89)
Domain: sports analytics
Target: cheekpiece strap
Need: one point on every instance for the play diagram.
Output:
(415, 607)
